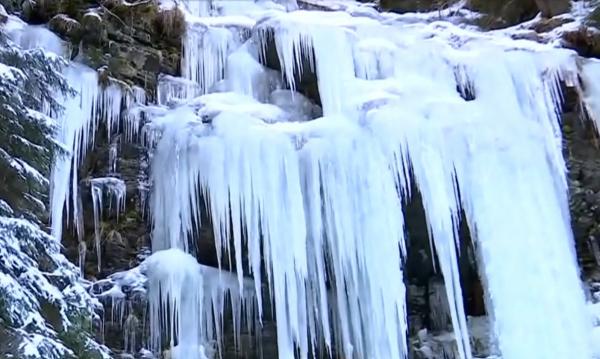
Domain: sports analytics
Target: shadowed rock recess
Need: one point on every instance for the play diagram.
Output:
(139, 71)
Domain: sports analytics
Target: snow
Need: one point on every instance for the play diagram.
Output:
(31, 266)
(23, 168)
(5, 208)
(8, 72)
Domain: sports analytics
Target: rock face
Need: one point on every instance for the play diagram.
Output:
(136, 40)
(582, 153)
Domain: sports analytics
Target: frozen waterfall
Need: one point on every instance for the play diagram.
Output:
(306, 201)
(316, 202)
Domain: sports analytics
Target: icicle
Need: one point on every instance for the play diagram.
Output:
(130, 333)
(82, 253)
(374, 59)
(175, 288)
(174, 88)
(110, 109)
(97, 204)
(256, 202)
(516, 203)
(134, 100)
(590, 74)
(205, 51)
(115, 189)
(245, 75)
(198, 8)
(73, 133)
(189, 300)
(113, 157)
(317, 204)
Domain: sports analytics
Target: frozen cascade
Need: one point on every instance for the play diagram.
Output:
(115, 190)
(187, 301)
(135, 99)
(92, 105)
(205, 51)
(319, 202)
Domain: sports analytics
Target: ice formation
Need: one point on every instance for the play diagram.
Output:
(187, 301)
(93, 105)
(316, 201)
(115, 190)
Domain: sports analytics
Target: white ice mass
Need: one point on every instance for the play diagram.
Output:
(314, 196)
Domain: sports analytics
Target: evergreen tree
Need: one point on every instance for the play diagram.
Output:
(30, 84)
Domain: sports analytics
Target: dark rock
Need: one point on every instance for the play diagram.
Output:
(66, 27)
(583, 161)
(586, 41)
(10, 6)
(3, 15)
(403, 6)
(546, 25)
(593, 18)
(93, 28)
(501, 13)
(550, 8)
(170, 25)
(40, 11)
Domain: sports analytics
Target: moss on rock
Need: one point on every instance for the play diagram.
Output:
(76, 337)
